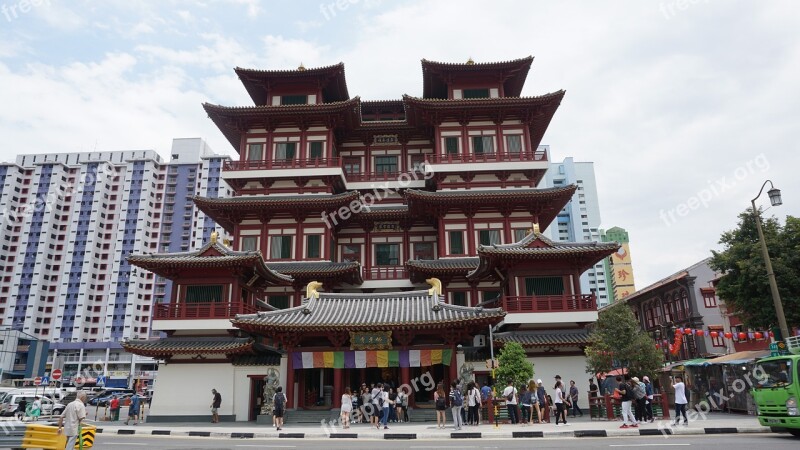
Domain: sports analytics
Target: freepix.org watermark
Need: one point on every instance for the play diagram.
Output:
(12, 11)
(671, 8)
(715, 188)
(379, 192)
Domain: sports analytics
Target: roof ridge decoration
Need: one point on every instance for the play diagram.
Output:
(436, 286)
(311, 289)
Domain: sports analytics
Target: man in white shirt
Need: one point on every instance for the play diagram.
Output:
(680, 401)
(510, 395)
(71, 418)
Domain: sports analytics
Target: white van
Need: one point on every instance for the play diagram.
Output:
(11, 404)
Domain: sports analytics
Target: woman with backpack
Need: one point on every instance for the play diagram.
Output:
(456, 404)
(278, 407)
(441, 406)
(525, 404)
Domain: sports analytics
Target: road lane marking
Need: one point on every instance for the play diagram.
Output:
(646, 445)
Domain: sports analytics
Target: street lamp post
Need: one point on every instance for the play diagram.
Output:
(775, 199)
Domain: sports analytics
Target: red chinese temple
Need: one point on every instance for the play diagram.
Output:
(371, 241)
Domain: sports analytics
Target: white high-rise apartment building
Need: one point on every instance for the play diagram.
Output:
(579, 221)
(69, 222)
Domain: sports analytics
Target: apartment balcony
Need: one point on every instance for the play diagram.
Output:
(551, 308)
(386, 273)
(208, 310)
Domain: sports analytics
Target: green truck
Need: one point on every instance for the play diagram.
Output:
(776, 390)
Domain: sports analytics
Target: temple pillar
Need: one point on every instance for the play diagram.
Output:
(290, 391)
(405, 379)
(453, 364)
(576, 283)
(338, 390)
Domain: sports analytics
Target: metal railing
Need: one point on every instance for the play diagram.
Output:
(550, 303)
(386, 273)
(294, 163)
(489, 157)
(207, 310)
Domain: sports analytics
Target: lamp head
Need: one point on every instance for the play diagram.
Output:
(775, 197)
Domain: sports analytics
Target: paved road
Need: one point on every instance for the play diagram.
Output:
(728, 442)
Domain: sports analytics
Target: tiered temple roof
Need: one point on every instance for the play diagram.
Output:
(259, 83)
(436, 75)
(194, 345)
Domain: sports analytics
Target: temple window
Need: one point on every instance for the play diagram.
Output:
(423, 250)
(385, 164)
(490, 296)
(489, 237)
(520, 233)
(249, 243)
(482, 144)
(476, 93)
(514, 143)
(285, 150)
(451, 146)
(315, 149)
(387, 254)
(544, 286)
(254, 152)
(203, 294)
(456, 242)
(294, 99)
(280, 247)
(279, 301)
(458, 298)
(313, 245)
(351, 252)
(352, 166)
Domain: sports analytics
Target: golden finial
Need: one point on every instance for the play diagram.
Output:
(436, 286)
(536, 228)
(311, 289)
(470, 61)
(214, 235)
(302, 67)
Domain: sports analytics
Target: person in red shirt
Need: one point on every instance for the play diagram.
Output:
(114, 405)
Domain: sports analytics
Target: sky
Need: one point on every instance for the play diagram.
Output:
(685, 106)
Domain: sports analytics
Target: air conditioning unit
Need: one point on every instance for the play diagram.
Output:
(479, 341)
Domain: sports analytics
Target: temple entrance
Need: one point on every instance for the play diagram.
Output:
(317, 389)
(424, 381)
(256, 396)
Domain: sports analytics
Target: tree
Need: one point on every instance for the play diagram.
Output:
(744, 286)
(617, 341)
(514, 365)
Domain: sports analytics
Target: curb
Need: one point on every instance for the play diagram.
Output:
(454, 435)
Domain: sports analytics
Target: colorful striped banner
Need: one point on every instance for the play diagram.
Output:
(371, 358)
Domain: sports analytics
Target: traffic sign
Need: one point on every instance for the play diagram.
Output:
(56, 375)
(37, 381)
(101, 380)
(44, 381)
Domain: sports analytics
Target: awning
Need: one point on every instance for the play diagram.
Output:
(679, 365)
(740, 357)
(697, 362)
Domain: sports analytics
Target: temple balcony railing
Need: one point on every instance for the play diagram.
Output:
(551, 303)
(373, 176)
(205, 310)
(293, 163)
(494, 157)
(386, 273)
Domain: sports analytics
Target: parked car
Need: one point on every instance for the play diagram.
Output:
(122, 396)
(106, 394)
(11, 403)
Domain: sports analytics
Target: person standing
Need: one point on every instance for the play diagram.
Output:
(278, 407)
(383, 402)
(561, 410)
(474, 403)
(133, 409)
(440, 401)
(377, 410)
(456, 405)
(114, 405)
(22, 409)
(347, 407)
(573, 396)
(69, 421)
(594, 391)
(680, 400)
(36, 408)
(544, 407)
(640, 398)
(626, 397)
(510, 394)
(525, 404)
(648, 390)
(216, 402)
(398, 405)
(366, 404)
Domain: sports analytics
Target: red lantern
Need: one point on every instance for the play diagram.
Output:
(658, 346)
(701, 332)
(742, 336)
(759, 335)
(688, 331)
(728, 335)
(678, 331)
(714, 334)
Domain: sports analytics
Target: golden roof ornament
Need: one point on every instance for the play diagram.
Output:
(536, 228)
(311, 289)
(214, 236)
(470, 62)
(301, 67)
(436, 286)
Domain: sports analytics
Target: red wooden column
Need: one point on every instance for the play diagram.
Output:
(290, 382)
(453, 364)
(576, 283)
(337, 388)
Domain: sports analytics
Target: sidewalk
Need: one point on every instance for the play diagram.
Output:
(714, 423)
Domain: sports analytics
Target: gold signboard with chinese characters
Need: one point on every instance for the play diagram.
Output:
(370, 340)
(383, 227)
